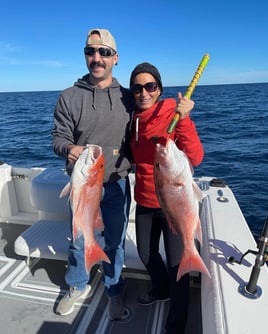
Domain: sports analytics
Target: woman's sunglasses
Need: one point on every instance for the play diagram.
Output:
(150, 87)
(104, 52)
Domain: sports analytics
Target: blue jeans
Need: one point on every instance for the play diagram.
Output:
(115, 205)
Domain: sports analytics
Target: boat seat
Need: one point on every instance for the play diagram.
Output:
(50, 236)
(45, 195)
(50, 240)
(45, 239)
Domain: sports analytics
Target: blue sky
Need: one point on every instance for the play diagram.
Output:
(41, 42)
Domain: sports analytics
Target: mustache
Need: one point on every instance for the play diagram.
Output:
(97, 63)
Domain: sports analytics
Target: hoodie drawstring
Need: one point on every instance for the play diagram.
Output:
(137, 129)
(110, 98)
(94, 99)
(94, 95)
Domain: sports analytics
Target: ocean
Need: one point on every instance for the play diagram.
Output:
(231, 121)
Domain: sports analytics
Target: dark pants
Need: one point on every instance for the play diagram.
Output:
(150, 223)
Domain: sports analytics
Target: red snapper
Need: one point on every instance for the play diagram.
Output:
(179, 197)
(85, 188)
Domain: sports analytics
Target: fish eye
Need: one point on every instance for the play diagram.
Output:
(179, 186)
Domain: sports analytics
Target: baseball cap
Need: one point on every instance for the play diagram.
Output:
(106, 38)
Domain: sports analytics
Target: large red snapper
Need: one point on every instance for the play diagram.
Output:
(179, 197)
(85, 188)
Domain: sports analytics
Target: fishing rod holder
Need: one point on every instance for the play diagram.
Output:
(251, 289)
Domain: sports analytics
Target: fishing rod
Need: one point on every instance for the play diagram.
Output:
(190, 89)
(251, 289)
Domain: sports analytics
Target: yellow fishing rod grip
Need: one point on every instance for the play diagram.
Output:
(190, 90)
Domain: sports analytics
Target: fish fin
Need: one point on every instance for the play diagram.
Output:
(198, 192)
(169, 221)
(66, 190)
(189, 162)
(191, 166)
(190, 263)
(98, 224)
(94, 254)
(172, 228)
(198, 232)
(76, 232)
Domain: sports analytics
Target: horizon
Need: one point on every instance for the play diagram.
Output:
(204, 85)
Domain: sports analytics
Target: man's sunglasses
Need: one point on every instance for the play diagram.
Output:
(104, 52)
(149, 86)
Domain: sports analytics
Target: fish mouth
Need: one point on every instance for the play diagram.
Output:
(162, 149)
(94, 152)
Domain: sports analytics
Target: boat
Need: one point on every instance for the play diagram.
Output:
(35, 235)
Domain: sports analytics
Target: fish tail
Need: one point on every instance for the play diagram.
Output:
(94, 254)
(190, 263)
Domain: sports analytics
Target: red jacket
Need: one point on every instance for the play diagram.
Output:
(150, 126)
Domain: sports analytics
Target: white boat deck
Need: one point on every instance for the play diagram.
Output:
(29, 295)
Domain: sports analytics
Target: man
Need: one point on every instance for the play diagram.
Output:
(96, 110)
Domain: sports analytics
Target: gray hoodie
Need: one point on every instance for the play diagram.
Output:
(85, 114)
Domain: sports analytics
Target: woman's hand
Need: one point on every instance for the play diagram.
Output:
(184, 106)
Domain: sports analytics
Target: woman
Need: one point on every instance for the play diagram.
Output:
(150, 122)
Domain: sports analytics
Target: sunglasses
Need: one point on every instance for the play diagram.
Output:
(150, 87)
(104, 52)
